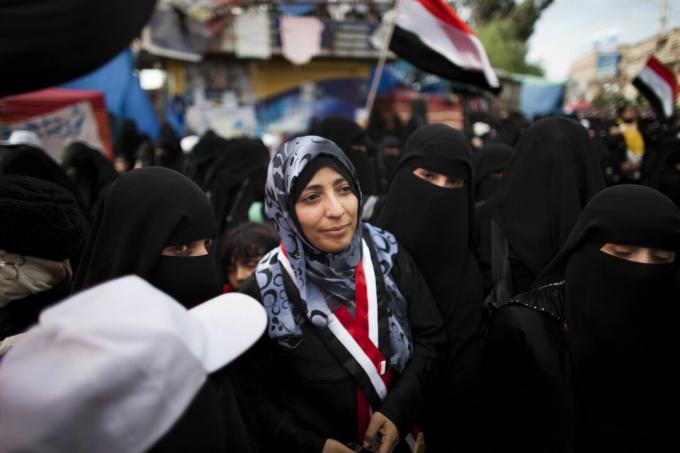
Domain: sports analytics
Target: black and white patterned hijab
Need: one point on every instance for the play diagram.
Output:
(318, 273)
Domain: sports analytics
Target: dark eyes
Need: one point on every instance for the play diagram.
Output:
(188, 249)
(310, 198)
(182, 249)
(314, 196)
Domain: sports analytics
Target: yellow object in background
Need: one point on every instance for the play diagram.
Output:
(634, 141)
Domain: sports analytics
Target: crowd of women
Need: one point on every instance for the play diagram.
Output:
(421, 294)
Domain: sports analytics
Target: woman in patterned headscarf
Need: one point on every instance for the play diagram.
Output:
(353, 329)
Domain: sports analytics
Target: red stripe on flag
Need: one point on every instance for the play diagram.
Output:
(446, 14)
(665, 73)
(358, 328)
(363, 414)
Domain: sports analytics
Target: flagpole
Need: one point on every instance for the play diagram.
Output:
(381, 61)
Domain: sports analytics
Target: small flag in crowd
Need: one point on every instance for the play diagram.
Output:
(659, 85)
(430, 35)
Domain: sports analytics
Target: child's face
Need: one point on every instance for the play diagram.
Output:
(240, 269)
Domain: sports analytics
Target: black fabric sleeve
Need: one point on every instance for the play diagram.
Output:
(505, 362)
(277, 429)
(405, 398)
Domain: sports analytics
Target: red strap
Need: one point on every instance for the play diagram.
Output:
(358, 328)
(363, 414)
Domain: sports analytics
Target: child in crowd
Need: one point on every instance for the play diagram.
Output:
(242, 248)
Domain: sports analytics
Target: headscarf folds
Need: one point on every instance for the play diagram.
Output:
(316, 272)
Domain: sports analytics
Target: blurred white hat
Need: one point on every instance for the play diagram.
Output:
(111, 369)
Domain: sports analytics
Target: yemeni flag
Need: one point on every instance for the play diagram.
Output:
(430, 35)
(659, 85)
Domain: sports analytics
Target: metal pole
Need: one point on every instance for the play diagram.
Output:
(381, 62)
(664, 15)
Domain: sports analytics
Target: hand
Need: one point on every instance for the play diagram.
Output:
(381, 435)
(333, 446)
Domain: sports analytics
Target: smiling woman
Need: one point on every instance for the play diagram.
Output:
(349, 349)
(326, 209)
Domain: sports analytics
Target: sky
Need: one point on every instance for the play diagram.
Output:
(567, 28)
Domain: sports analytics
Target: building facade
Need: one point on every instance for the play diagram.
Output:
(607, 74)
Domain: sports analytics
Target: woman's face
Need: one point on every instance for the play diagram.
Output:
(327, 211)
(644, 255)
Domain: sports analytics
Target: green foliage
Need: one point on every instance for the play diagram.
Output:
(505, 51)
(504, 27)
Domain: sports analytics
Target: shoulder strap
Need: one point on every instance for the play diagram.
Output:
(332, 343)
(501, 275)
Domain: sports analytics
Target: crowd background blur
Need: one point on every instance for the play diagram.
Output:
(210, 88)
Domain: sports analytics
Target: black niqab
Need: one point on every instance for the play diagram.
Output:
(440, 245)
(89, 170)
(552, 176)
(128, 143)
(170, 155)
(620, 318)
(142, 212)
(232, 173)
(492, 159)
(435, 225)
(389, 154)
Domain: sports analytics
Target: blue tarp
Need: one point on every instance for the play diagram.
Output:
(540, 98)
(123, 94)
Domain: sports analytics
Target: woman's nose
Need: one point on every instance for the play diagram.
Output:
(333, 207)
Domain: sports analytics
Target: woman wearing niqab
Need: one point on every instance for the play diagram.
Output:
(589, 356)
(142, 213)
(551, 177)
(435, 224)
(491, 162)
(89, 170)
(231, 172)
(168, 151)
(156, 223)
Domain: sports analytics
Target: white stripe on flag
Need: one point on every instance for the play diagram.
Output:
(462, 49)
(341, 333)
(489, 72)
(369, 273)
(660, 87)
(359, 355)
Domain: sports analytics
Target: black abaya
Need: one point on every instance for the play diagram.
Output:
(435, 225)
(551, 177)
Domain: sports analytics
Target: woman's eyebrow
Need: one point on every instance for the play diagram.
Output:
(312, 187)
(319, 186)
